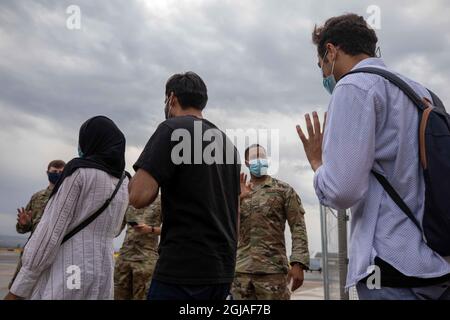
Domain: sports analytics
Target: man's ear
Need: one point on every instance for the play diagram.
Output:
(332, 52)
(175, 104)
(247, 164)
(170, 99)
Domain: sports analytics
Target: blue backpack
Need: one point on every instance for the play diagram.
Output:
(434, 155)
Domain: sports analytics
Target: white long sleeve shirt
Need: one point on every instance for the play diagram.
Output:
(49, 269)
(371, 124)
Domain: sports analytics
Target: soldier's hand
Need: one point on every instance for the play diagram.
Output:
(23, 216)
(297, 275)
(246, 187)
(142, 228)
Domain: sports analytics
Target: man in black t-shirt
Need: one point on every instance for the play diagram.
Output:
(197, 168)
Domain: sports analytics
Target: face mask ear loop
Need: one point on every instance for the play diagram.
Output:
(323, 61)
(378, 52)
(168, 112)
(332, 67)
(170, 107)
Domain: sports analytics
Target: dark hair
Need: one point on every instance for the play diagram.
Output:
(189, 89)
(58, 164)
(349, 32)
(256, 145)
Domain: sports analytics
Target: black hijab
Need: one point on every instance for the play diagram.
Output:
(103, 147)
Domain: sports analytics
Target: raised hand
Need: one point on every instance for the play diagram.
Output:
(313, 144)
(23, 216)
(246, 187)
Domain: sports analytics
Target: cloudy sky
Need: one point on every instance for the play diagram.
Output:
(256, 58)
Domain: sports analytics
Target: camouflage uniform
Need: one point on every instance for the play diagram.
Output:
(262, 265)
(137, 257)
(37, 206)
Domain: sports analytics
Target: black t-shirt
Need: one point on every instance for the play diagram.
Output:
(197, 168)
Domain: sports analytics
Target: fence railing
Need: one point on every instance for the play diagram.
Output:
(334, 253)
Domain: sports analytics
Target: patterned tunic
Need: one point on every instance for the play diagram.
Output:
(36, 205)
(82, 267)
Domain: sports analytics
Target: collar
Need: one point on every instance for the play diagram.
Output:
(375, 62)
(268, 183)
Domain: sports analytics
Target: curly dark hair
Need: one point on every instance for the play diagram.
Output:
(189, 88)
(349, 32)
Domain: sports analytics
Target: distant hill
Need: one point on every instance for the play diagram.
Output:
(12, 241)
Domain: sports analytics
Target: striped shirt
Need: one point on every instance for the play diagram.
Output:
(371, 124)
(49, 269)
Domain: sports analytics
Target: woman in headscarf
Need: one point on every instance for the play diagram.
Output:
(82, 267)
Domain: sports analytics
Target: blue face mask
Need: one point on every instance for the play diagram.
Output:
(258, 167)
(80, 153)
(53, 177)
(329, 83)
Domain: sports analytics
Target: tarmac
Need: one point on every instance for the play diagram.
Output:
(312, 288)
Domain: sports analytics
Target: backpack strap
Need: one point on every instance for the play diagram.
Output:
(419, 103)
(396, 197)
(437, 102)
(86, 222)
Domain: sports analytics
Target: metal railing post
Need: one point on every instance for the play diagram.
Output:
(323, 226)
(342, 219)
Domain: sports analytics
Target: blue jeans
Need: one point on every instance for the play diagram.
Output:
(436, 292)
(167, 291)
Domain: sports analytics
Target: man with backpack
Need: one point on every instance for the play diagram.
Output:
(380, 156)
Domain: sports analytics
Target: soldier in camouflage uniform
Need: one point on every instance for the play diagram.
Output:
(266, 204)
(138, 255)
(29, 217)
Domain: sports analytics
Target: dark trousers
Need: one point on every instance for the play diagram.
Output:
(168, 291)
